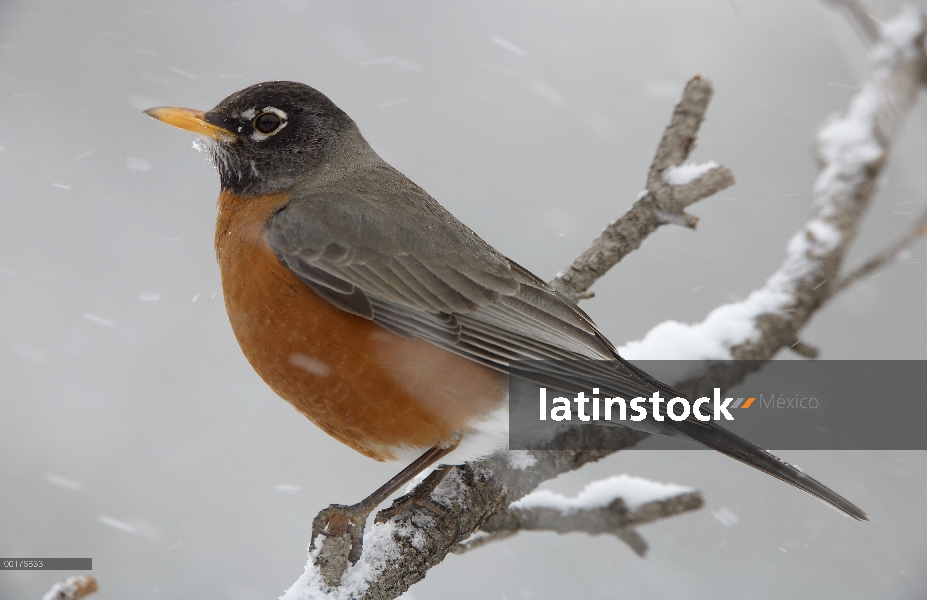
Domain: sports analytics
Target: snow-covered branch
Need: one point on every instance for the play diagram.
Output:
(452, 504)
(853, 149)
(608, 506)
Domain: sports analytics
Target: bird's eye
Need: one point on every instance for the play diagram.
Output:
(267, 122)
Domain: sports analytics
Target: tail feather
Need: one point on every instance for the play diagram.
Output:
(718, 438)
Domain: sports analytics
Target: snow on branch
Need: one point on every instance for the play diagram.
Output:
(613, 505)
(452, 504)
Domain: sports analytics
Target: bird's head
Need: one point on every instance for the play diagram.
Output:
(265, 137)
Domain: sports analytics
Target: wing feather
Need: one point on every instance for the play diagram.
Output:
(449, 288)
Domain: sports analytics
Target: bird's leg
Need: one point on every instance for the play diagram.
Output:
(420, 495)
(339, 519)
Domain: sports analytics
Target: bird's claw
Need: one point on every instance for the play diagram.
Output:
(421, 497)
(338, 520)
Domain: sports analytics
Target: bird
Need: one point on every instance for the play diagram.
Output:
(377, 314)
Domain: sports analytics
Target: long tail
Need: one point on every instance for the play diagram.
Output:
(718, 438)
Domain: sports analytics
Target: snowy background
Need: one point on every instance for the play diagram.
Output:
(133, 431)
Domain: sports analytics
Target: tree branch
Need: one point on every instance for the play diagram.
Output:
(670, 189)
(593, 511)
(883, 258)
(866, 22)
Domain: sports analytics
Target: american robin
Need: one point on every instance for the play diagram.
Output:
(377, 314)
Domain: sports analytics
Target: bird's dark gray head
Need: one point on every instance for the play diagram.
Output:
(264, 137)
(282, 129)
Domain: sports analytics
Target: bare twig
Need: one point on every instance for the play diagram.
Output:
(72, 588)
(862, 17)
(804, 349)
(480, 539)
(917, 232)
(662, 203)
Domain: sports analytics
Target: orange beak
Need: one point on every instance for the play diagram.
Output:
(191, 120)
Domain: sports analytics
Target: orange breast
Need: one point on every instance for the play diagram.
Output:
(366, 386)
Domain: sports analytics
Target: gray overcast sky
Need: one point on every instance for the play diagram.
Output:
(133, 431)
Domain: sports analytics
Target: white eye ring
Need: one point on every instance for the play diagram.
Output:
(256, 135)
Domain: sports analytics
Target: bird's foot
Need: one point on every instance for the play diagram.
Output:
(421, 496)
(339, 520)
